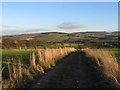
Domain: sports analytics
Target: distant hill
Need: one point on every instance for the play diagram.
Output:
(42, 36)
(61, 36)
(116, 32)
(91, 32)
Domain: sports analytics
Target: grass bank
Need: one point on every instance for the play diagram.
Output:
(104, 67)
(16, 74)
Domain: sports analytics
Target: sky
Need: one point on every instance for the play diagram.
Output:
(37, 17)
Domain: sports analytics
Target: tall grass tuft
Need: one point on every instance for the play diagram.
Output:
(19, 69)
(40, 59)
(40, 69)
(14, 71)
(32, 60)
(9, 69)
(46, 59)
(27, 72)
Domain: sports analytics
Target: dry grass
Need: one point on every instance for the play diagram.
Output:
(119, 75)
(20, 74)
(9, 69)
(27, 72)
(33, 61)
(14, 71)
(106, 61)
(19, 70)
(40, 59)
(51, 56)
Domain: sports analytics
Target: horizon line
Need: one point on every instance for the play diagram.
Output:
(59, 32)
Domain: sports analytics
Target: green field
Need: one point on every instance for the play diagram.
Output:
(14, 55)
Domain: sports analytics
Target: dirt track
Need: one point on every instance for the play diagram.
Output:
(72, 73)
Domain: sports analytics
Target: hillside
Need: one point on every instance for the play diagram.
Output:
(56, 39)
(57, 36)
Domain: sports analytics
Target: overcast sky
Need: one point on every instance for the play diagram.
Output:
(35, 17)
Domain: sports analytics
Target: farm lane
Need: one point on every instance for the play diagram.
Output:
(72, 73)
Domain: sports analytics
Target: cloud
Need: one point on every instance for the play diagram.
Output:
(13, 30)
(70, 25)
(7, 26)
(22, 31)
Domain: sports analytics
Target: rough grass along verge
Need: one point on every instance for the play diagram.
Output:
(104, 67)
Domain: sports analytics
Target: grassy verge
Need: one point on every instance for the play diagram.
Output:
(16, 74)
(104, 68)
